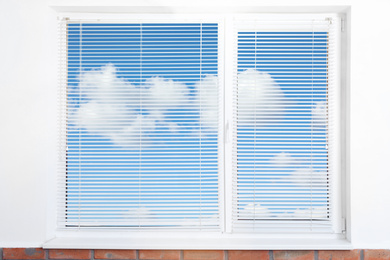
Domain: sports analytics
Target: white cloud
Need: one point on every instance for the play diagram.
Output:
(141, 212)
(111, 106)
(164, 94)
(101, 90)
(319, 212)
(207, 98)
(254, 89)
(320, 114)
(254, 211)
(104, 86)
(141, 216)
(311, 213)
(302, 176)
(136, 133)
(260, 98)
(308, 176)
(282, 160)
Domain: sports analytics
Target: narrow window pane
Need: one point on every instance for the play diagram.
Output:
(282, 130)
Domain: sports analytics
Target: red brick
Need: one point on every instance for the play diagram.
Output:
(293, 255)
(159, 254)
(203, 255)
(115, 254)
(339, 254)
(374, 254)
(69, 254)
(248, 255)
(23, 253)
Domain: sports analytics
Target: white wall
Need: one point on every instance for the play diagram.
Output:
(27, 126)
(28, 119)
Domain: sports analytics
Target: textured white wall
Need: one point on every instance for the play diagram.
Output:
(28, 118)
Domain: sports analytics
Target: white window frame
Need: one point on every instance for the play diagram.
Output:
(338, 219)
(155, 18)
(124, 239)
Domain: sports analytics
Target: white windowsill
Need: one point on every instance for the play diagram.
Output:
(221, 243)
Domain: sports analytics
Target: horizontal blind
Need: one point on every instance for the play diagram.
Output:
(142, 126)
(281, 175)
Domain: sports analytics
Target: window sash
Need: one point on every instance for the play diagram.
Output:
(285, 215)
(174, 221)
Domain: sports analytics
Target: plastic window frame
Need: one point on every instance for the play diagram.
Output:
(120, 239)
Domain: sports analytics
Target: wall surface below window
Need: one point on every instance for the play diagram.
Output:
(67, 254)
(28, 114)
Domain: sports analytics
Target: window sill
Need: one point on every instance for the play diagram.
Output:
(216, 242)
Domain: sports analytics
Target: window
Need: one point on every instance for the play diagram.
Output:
(225, 125)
